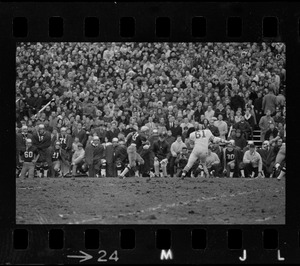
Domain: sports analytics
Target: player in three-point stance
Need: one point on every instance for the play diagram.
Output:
(200, 139)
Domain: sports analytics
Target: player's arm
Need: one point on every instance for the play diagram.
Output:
(36, 157)
(216, 160)
(192, 139)
(246, 158)
(20, 158)
(224, 159)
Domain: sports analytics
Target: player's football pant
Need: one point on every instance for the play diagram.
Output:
(230, 169)
(119, 168)
(103, 169)
(193, 158)
(27, 167)
(125, 171)
(56, 167)
(45, 168)
(38, 168)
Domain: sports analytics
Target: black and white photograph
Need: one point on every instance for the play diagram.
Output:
(150, 133)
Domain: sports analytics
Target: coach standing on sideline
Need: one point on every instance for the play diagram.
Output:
(94, 152)
(41, 140)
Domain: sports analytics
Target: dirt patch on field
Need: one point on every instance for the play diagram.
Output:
(155, 201)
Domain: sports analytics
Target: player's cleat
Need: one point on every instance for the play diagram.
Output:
(121, 176)
(212, 173)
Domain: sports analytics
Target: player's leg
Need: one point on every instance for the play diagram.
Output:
(164, 165)
(242, 169)
(203, 163)
(119, 167)
(39, 169)
(91, 170)
(45, 169)
(31, 170)
(282, 173)
(103, 168)
(156, 167)
(192, 159)
(74, 169)
(24, 170)
(57, 168)
(172, 166)
(231, 167)
(125, 171)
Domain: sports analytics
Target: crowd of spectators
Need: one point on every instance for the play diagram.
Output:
(109, 90)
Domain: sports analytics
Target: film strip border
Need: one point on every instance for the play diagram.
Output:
(188, 21)
(136, 244)
(203, 22)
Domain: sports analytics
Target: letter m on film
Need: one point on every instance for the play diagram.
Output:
(166, 255)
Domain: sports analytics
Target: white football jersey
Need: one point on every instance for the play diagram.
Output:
(201, 138)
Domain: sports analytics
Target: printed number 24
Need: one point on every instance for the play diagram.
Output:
(113, 256)
(198, 135)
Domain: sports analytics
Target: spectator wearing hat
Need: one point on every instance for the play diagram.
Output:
(253, 163)
(222, 126)
(264, 124)
(269, 102)
(161, 151)
(77, 158)
(94, 153)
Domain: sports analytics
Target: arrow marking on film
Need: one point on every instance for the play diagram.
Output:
(84, 258)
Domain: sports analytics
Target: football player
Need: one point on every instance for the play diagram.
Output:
(28, 157)
(138, 137)
(20, 145)
(200, 139)
(56, 159)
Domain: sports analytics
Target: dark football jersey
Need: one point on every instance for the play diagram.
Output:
(229, 155)
(28, 155)
(63, 141)
(137, 139)
(56, 156)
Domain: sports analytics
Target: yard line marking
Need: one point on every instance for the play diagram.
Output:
(180, 203)
(264, 219)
